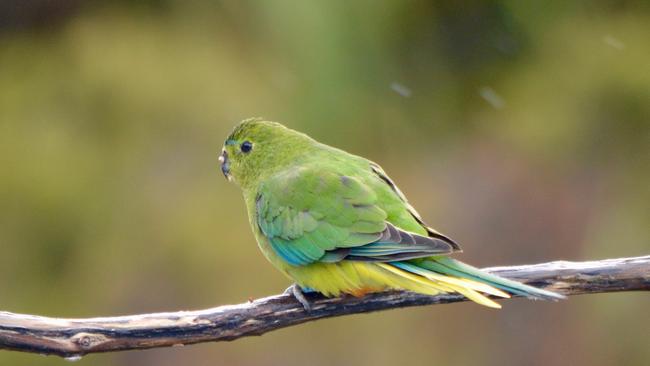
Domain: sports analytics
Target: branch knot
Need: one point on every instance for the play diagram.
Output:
(87, 341)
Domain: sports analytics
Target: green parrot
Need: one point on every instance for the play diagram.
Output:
(335, 223)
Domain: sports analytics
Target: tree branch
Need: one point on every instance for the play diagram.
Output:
(76, 337)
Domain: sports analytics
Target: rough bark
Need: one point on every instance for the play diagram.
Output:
(73, 338)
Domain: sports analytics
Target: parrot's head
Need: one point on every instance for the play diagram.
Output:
(257, 148)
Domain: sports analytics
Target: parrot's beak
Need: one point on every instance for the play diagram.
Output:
(225, 164)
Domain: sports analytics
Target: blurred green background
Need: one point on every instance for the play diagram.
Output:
(520, 129)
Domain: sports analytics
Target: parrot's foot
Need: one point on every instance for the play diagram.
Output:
(296, 291)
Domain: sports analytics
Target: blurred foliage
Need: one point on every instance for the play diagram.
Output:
(521, 129)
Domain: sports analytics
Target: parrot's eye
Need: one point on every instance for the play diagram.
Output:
(246, 146)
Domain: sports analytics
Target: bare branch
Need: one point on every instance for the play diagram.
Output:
(77, 337)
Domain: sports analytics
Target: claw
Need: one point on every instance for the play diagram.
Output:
(299, 295)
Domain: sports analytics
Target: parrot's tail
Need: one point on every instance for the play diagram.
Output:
(449, 275)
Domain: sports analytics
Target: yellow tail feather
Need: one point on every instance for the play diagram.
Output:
(463, 282)
(441, 283)
(431, 288)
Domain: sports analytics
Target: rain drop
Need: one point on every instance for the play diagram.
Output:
(492, 97)
(614, 42)
(401, 89)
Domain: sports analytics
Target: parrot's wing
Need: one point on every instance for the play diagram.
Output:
(313, 214)
(430, 231)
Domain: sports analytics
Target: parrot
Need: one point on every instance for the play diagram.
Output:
(337, 224)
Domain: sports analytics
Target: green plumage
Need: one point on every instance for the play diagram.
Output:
(336, 223)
